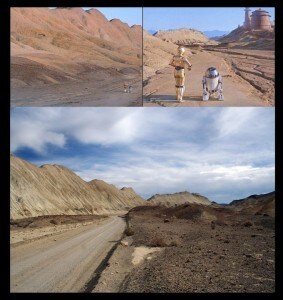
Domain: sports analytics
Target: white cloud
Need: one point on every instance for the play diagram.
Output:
(223, 153)
(26, 133)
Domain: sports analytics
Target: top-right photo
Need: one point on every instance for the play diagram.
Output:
(209, 56)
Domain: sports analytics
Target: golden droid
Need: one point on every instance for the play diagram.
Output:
(179, 62)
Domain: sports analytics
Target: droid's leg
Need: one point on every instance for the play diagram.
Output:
(220, 89)
(205, 94)
(180, 87)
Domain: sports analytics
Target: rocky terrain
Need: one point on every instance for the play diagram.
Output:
(246, 39)
(256, 67)
(196, 248)
(256, 204)
(56, 190)
(178, 242)
(54, 47)
(178, 199)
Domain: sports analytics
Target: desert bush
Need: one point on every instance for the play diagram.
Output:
(129, 231)
(220, 223)
(212, 224)
(53, 222)
(158, 242)
(248, 223)
(173, 244)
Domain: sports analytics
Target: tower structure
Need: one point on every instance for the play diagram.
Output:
(247, 23)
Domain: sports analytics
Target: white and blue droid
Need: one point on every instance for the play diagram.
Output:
(212, 84)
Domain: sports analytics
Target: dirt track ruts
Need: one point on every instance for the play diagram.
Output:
(63, 263)
(160, 90)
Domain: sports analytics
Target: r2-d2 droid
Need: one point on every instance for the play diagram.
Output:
(212, 84)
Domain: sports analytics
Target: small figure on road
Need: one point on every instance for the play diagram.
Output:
(179, 62)
(212, 83)
(125, 88)
(130, 89)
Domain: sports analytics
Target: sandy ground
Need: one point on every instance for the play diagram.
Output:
(103, 88)
(238, 91)
(64, 262)
(30, 229)
(123, 261)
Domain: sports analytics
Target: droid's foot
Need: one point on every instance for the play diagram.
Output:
(205, 97)
(221, 97)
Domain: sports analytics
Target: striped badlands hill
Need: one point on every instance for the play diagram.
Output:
(55, 45)
(178, 199)
(56, 190)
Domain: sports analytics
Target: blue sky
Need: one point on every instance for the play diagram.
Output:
(129, 15)
(221, 153)
(201, 18)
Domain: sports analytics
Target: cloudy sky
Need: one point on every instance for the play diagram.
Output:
(221, 153)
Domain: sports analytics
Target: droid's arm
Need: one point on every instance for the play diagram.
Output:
(171, 63)
(189, 65)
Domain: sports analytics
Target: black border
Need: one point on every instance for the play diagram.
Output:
(5, 129)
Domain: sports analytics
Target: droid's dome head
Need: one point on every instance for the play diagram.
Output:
(180, 50)
(211, 73)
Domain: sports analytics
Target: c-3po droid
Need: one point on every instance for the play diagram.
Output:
(180, 62)
(212, 84)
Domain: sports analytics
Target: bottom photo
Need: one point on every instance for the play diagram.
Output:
(142, 200)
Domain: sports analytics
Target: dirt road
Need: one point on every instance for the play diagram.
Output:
(94, 89)
(160, 90)
(63, 263)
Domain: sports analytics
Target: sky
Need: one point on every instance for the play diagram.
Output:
(130, 15)
(200, 18)
(221, 153)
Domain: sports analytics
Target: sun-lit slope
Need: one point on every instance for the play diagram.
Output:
(256, 39)
(178, 199)
(184, 36)
(55, 190)
(70, 41)
(258, 204)
(157, 53)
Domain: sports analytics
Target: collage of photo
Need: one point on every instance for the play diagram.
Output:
(142, 149)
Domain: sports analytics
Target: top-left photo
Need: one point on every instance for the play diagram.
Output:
(76, 56)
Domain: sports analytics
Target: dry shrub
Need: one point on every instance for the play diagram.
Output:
(158, 242)
(248, 223)
(220, 223)
(129, 231)
(174, 244)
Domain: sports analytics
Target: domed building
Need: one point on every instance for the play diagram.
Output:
(258, 20)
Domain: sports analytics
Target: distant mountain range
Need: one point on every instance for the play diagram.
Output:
(152, 31)
(209, 33)
(215, 33)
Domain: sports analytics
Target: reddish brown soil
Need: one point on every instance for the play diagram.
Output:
(233, 253)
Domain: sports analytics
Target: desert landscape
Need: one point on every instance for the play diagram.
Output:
(245, 58)
(74, 57)
(69, 235)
